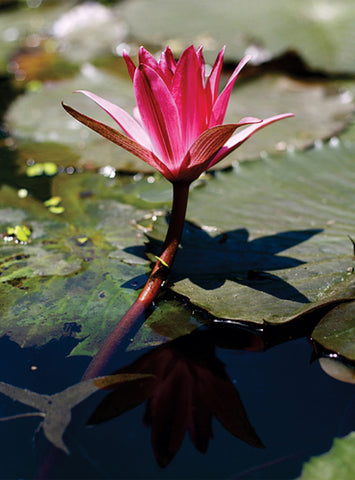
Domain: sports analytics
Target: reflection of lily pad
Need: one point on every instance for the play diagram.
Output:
(321, 32)
(320, 112)
(274, 237)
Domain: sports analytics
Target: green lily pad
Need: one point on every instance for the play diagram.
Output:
(171, 319)
(336, 330)
(321, 33)
(56, 280)
(78, 273)
(321, 111)
(18, 25)
(337, 464)
(49, 123)
(270, 238)
(82, 39)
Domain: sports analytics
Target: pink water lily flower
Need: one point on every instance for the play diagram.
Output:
(177, 126)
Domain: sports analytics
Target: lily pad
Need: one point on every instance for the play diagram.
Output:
(270, 238)
(321, 111)
(18, 25)
(337, 463)
(82, 39)
(80, 271)
(171, 319)
(311, 104)
(337, 369)
(322, 33)
(336, 331)
(58, 279)
(48, 122)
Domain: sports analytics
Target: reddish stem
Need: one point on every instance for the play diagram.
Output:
(151, 288)
(123, 328)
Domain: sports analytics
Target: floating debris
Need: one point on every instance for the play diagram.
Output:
(53, 205)
(56, 210)
(53, 202)
(37, 169)
(19, 233)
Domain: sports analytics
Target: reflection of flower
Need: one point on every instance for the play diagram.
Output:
(191, 387)
(178, 127)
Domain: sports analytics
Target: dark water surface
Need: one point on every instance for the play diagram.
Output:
(295, 408)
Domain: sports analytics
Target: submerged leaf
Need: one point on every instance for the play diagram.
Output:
(56, 409)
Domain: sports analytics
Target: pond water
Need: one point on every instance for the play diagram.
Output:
(294, 407)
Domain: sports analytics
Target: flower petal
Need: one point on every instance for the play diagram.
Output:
(198, 159)
(240, 137)
(167, 64)
(130, 64)
(220, 106)
(159, 115)
(122, 118)
(122, 140)
(215, 75)
(203, 149)
(147, 58)
(189, 94)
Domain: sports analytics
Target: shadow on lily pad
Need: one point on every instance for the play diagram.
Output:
(208, 261)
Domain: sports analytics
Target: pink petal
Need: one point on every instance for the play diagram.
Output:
(130, 64)
(240, 137)
(137, 116)
(215, 75)
(201, 61)
(159, 114)
(204, 148)
(122, 140)
(122, 118)
(189, 95)
(220, 106)
(168, 65)
(147, 59)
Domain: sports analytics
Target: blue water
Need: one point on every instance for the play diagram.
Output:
(295, 408)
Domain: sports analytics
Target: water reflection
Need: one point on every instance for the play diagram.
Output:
(190, 387)
(186, 388)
